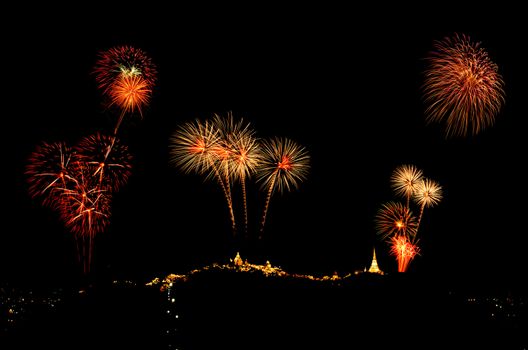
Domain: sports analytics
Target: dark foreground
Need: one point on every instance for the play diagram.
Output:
(230, 310)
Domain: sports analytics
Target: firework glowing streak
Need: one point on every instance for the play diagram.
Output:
(462, 87)
(405, 179)
(47, 170)
(404, 250)
(222, 151)
(194, 148)
(237, 153)
(85, 209)
(285, 164)
(394, 219)
(245, 159)
(428, 194)
(106, 158)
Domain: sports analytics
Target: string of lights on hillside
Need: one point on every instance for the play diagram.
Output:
(243, 266)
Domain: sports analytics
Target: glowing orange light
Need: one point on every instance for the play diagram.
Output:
(285, 163)
(198, 147)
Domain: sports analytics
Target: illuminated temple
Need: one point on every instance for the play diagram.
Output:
(374, 264)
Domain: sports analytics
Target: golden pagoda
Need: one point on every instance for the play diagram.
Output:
(374, 264)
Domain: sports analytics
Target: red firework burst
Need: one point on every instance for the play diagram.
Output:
(106, 159)
(48, 170)
(84, 206)
(122, 61)
(462, 88)
(404, 251)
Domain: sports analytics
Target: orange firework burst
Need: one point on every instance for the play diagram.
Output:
(130, 93)
(395, 219)
(404, 180)
(106, 159)
(123, 61)
(284, 165)
(48, 170)
(462, 87)
(404, 251)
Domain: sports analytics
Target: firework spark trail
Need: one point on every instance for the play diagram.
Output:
(428, 194)
(223, 156)
(85, 210)
(405, 179)
(228, 129)
(284, 165)
(462, 87)
(266, 204)
(246, 158)
(238, 153)
(194, 148)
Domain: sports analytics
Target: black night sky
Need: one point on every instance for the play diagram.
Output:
(345, 85)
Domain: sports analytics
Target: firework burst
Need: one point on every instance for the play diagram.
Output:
(47, 170)
(123, 61)
(405, 179)
(395, 219)
(462, 88)
(192, 147)
(428, 193)
(284, 165)
(130, 93)
(404, 251)
(106, 159)
(246, 155)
